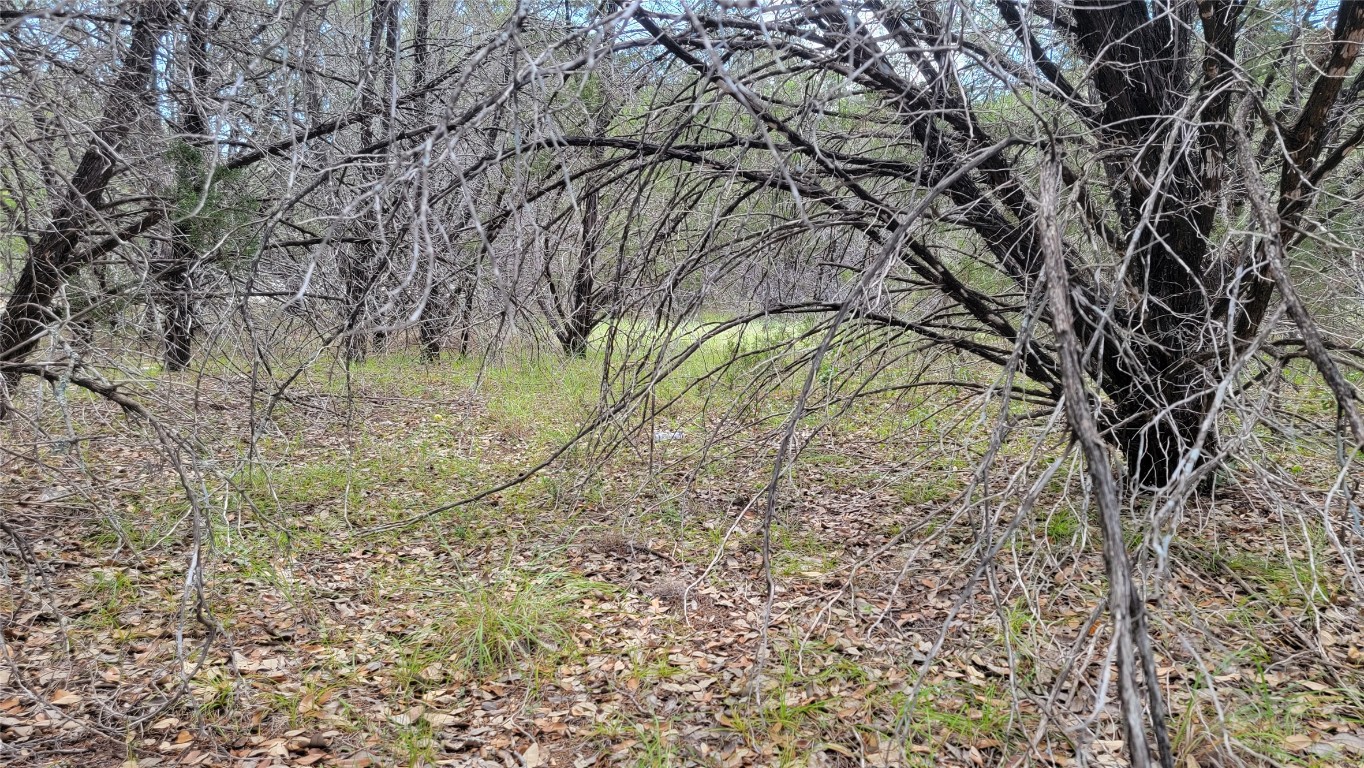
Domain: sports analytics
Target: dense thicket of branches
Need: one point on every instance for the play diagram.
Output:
(254, 178)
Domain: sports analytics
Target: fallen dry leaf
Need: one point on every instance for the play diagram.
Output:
(64, 698)
(1297, 742)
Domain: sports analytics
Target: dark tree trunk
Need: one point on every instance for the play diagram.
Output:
(1304, 143)
(1141, 70)
(54, 256)
(420, 48)
(432, 318)
(1157, 437)
(363, 266)
(355, 275)
(584, 306)
(466, 319)
(178, 330)
(582, 314)
(432, 325)
(177, 280)
(1157, 361)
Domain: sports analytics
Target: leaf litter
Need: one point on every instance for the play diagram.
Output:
(627, 625)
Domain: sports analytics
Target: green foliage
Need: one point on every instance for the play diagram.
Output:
(1062, 525)
(213, 207)
(511, 622)
(214, 691)
(964, 713)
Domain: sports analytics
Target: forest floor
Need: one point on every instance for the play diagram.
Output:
(614, 608)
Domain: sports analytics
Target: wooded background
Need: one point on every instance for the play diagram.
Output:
(1138, 219)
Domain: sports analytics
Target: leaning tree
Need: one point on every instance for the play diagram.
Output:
(1128, 208)
(1201, 149)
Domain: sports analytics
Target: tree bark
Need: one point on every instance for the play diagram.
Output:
(178, 330)
(582, 313)
(431, 318)
(584, 309)
(466, 318)
(431, 324)
(54, 256)
(363, 267)
(177, 280)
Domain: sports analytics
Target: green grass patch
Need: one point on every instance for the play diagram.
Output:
(515, 621)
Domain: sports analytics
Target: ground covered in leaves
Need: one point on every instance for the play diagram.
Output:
(618, 608)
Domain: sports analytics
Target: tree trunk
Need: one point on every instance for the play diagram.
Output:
(355, 274)
(54, 256)
(431, 324)
(178, 331)
(433, 311)
(466, 319)
(421, 49)
(582, 311)
(177, 279)
(364, 268)
(1160, 393)
(1156, 437)
(585, 299)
